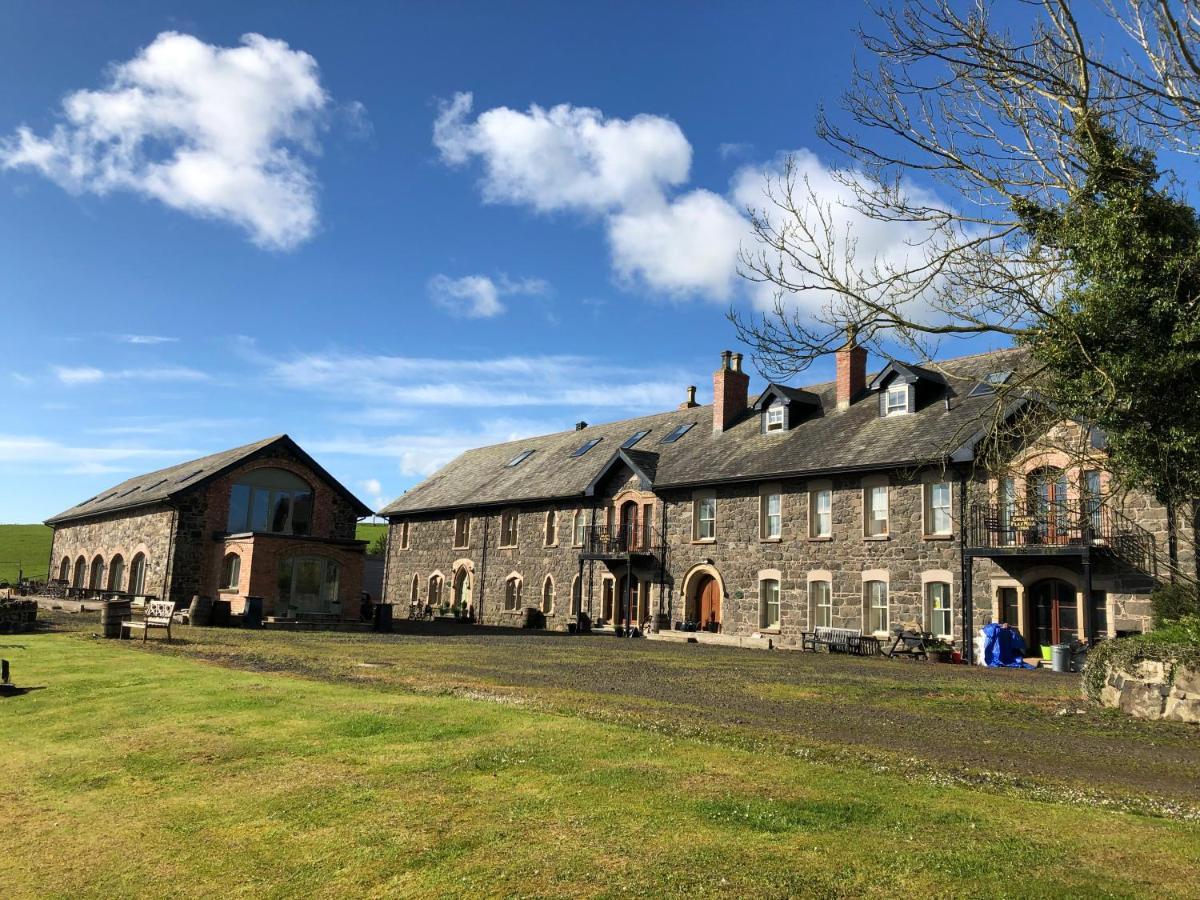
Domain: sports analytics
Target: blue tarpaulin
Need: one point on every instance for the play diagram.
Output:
(1003, 646)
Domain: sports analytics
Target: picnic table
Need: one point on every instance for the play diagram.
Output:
(909, 643)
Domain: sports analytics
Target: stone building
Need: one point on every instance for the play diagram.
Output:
(260, 520)
(857, 503)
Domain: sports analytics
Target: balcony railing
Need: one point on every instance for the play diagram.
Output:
(619, 540)
(1060, 527)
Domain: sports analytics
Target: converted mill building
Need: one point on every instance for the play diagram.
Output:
(858, 503)
(260, 520)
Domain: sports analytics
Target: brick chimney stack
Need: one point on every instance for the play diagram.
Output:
(851, 370)
(690, 402)
(731, 388)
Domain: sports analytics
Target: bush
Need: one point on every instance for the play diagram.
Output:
(1176, 645)
(1172, 602)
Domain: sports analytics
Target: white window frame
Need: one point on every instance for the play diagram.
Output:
(948, 609)
(815, 598)
(550, 529)
(896, 392)
(507, 541)
(774, 416)
(931, 511)
(766, 494)
(578, 528)
(231, 572)
(701, 502)
(870, 605)
(871, 491)
(815, 495)
(768, 583)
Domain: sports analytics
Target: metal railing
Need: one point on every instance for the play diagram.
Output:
(1071, 524)
(618, 540)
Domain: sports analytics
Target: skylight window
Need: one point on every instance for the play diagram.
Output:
(189, 477)
(634, 438)
(518, 459)
(129, 491)
(680, 431)
(156, 484)
(585, 447)
(989, 384)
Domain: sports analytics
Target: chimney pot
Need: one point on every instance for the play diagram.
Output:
(737, 362)
(691, 398)
(579, 426)
(725, 355)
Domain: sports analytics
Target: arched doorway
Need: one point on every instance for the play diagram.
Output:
(96, 581)
(1053, 612)
(704, 604)
(628, 520)
(1048, 502)
(462, 590)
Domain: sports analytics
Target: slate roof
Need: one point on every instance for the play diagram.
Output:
(161, 485)
(824, 441)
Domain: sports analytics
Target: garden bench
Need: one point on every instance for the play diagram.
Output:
(838, 640)
(158, 615)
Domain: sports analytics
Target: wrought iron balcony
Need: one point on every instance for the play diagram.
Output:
(1066, 528)
(619, 541)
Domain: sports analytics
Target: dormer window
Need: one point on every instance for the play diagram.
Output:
(897, 400)
(774, 416)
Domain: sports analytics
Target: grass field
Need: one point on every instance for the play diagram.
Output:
(337, 765)
(28, 547)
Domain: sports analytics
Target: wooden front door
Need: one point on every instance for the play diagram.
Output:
(1048, 503)
(629, 532)
(708, 601)
(1054, 613)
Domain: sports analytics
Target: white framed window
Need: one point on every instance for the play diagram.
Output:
(820, 520)
(508, 528)
(462, 531)
(551, 538)
(937, 603)
(770, 513)
(512, 592)
(875, 510)
(937, 508)
(768, 603)
(578, 528)
(820, 598)
(704, 521)
(231, 570)
(875, 599)
(548, 596)
(775, 416)
(896, 402)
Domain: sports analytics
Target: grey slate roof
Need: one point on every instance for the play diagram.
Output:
(161, 485)
(823, 441)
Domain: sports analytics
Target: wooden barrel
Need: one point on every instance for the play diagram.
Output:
(200, 612)
(112, 614)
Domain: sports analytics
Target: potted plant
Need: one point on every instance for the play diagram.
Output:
(939, 650)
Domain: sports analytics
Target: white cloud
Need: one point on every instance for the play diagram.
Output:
(43, 454)
(21, 379)
(150, 339)
(74, 375)
(478, 296)
(565, 157)
(217, 132)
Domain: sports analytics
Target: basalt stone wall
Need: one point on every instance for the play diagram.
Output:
(147, 531)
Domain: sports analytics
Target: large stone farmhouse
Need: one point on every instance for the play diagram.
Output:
(858, 503)
(260, 520)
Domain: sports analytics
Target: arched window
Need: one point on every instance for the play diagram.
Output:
(80, 573)
(548, 595)
(271, 500)
(96, 581)
(508, 528)
(512, 592)
(231, 571)
(578, 527)
(462, 531)
(116, 573)
(137, 575)
(64, 569)
(435, 590)
(551, 528)
(414, 593)
(576, 596)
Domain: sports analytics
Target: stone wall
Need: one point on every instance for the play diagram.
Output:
(146, 531)
(1154, 690)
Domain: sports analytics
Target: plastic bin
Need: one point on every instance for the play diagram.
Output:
(1060, 657)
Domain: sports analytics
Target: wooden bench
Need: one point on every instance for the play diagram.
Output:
(838, 640)
(158, 615)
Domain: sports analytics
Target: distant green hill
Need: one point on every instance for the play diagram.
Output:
(26, 547)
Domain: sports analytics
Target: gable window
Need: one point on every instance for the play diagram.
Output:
(551, 528)
(518, 459)
(578, 526)
(585, 447)
(937, 605)
(875, 510)
(937, 508)
(820, 524)
(774, 416)
(231, 570)
(634, 438)
(512, 592)
(270, 500)
(704, 518)
(548, 596)
(896, 401)
(770, 514)
(462, 531)
(508, 528)
(875, 596)
(820, 596)
(768, 603)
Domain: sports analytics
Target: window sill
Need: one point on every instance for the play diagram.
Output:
(877, 537)
(820, 539)
(938, 537)
(227, 590)
(704, 540)
(774, 629)
(461, 547)
(507, 547)
(770, 540)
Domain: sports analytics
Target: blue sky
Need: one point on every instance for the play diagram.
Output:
(391, 231)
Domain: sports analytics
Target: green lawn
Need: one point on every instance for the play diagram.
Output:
(27, 546)
(137, 771)
(369, 532)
